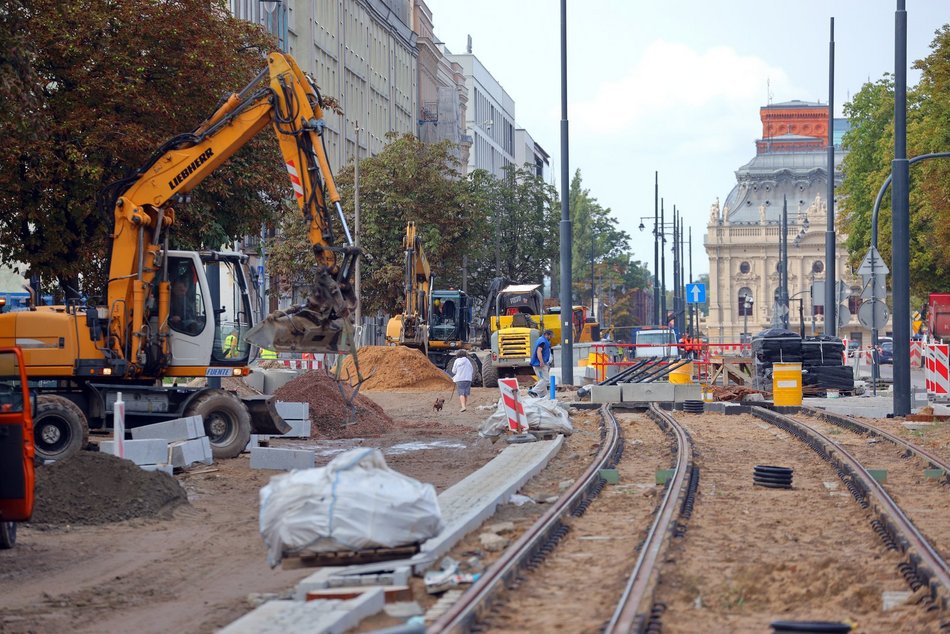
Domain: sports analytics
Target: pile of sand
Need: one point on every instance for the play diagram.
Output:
(96, 488)
(331, 415)
(395, 368)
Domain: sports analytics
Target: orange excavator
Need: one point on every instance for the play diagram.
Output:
(165, 314)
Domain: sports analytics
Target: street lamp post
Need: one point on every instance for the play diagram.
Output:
(747, 305)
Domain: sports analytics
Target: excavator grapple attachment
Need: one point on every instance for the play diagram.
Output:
(319, 325)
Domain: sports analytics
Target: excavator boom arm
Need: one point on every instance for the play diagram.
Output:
(291, 105)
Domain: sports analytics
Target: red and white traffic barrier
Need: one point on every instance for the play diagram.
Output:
(303, 364)
(517, 422)
(916, 353)
(938, 371)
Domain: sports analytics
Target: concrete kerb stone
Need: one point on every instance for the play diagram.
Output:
(184, 453)
(683, 392)
(347, 576)
(647, 392)
(605, 394)
(323, 616)
(282, 459)
(164, 468)
(141, 452)
(172, 430)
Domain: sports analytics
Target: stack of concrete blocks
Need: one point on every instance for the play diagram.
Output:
(297, 415)
(660, 391)
(185, 441)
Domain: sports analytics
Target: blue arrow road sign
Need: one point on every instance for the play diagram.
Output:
(695, 293)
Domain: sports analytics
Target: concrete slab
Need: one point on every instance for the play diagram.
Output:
(348, 576)
(313, 617)
(185, 453)
(687, 392)
(293, 410)
(256, 380)
(172, 430)
(256, 440)
(298, 428)
(605, 394)
(164, 468)
(282, 459)
(145, 451)
(647, 392)
(276, 379)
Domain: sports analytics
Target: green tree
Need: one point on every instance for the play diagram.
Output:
(871, 148)
(408, 180)
(521, 215)
(90, 94)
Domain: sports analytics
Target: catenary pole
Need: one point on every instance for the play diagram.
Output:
(567, 333)
(831, 294)
(900, 228)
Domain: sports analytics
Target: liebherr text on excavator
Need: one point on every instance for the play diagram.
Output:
(165, 314)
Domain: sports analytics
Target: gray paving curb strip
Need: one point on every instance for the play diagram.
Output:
(313, 617)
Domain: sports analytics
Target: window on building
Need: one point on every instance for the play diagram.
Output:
(744, 309)
(817, 266)
(744, 268)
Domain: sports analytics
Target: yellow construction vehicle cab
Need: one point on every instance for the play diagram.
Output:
(451, 326)
(169, 313)
(411, 327)
(517, 321)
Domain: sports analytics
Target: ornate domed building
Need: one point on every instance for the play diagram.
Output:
(742, 237)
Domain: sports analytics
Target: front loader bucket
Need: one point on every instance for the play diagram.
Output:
(319, 325)
(264, 416)
(284, 332)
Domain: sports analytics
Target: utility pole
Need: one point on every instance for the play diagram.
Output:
(656, 248)
(900, 227)
(676, 271)
(662, 237)
(356, 236)
(692, 307)
(783, 250)
(567, 333)
(831, 295)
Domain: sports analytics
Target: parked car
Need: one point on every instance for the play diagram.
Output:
(885, 350)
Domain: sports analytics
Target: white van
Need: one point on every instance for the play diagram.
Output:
(658, 336)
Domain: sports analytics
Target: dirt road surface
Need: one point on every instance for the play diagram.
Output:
(195, 571)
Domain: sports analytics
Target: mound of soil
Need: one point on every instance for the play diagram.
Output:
(331, 415)
(395, 368)
(97, 488)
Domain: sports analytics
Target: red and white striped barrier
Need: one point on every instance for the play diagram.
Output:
(916, 353)
(303, 364)
(513, 405)
(938, 371)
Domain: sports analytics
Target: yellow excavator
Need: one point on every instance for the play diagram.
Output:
(411, 328)
(165, 314)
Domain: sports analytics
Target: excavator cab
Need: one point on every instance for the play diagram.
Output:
(209, 309)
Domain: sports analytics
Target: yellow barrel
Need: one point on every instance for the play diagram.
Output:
(682, 374)
(787, 384)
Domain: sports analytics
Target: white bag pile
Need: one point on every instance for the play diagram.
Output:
(353, 503)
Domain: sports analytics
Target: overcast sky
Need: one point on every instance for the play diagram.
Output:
(674, 86)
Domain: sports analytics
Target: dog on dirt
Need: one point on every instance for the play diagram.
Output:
(437, 406)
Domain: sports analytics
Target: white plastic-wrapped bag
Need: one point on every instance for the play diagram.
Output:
(541, 414)
(354, 502)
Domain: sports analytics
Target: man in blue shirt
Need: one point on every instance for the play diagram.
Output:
(541, 362)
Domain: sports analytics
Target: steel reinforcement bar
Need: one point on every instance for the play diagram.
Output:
(531, 548)
(862, 428)
(637, 611)
(923, 565)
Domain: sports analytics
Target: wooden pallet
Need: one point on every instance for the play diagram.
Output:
(310, 559)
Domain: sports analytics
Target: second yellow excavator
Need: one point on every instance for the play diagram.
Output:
(411, 327)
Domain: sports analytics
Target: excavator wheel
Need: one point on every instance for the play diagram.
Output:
(226, 419)
(477, 374)
(7, 535)
(489, 373)
(60, 428)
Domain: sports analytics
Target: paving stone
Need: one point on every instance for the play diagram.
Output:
(282, 459)
(172, 430)
(145, 451)
(185, 453)
(346, 576)
(324, 616)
